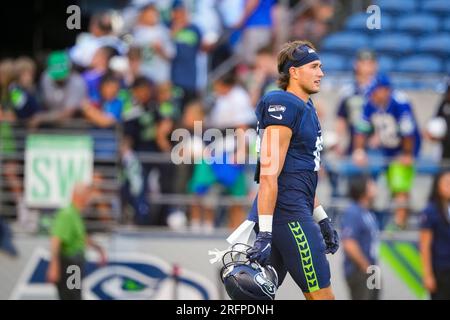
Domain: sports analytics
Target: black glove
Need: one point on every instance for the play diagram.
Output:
(329, 235)
(261, 249)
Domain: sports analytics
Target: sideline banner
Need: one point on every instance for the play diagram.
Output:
(53, 164)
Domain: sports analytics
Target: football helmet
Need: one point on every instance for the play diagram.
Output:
(245, 280)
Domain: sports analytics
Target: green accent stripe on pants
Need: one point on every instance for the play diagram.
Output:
(306, 257)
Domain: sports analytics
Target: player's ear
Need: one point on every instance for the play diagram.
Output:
(294, 73)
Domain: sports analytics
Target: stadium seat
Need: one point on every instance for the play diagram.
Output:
(333, 62)
(420, 64)
(441, 7)
(385, 64)
(394, 43)
(448, 67)
(418, 23)
(358, 22)
(345, 41)
(397, 7)
(436, 44)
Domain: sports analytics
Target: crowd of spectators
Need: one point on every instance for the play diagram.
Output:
(148, 74)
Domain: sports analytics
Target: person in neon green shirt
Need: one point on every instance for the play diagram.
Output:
(68, 244)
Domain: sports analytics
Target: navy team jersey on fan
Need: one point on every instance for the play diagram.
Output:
(297, 181)
(392, 124)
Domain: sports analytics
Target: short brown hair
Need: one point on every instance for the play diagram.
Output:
(285, 54)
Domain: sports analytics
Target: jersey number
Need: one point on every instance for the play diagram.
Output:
(319, 147)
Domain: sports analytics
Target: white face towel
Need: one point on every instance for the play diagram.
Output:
(243, 234)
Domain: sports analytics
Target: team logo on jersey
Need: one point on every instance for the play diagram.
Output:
(276, 108)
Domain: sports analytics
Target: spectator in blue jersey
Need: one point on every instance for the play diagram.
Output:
(109, 110)
(98, 68)
(188, 41)
(360, 238)
(435, 239)
(388, 117)
(256, 25)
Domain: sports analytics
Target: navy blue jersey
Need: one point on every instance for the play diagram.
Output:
(297, 181)
(439, 224)
(286, 109)
(392, 124)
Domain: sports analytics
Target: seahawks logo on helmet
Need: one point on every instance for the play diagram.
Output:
(267, 286)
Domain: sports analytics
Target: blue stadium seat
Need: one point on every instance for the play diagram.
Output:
(446, 24)
(420, 64)
(358, 22)
(418, 23)
(448, 67)
(333, 62)
(437, 44)
(394, 43)
(441, 7)
(397, 6)
(385, 64)
(345, 41)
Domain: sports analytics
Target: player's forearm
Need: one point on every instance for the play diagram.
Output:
(267, 195)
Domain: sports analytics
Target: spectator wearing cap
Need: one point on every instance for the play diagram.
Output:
(388, 117)
(188, 41)
(62, 90)
(360, 238)
(154, 40)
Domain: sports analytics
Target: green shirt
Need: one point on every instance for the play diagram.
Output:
(68, 226)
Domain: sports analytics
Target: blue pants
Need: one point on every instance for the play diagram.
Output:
(299, 248)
